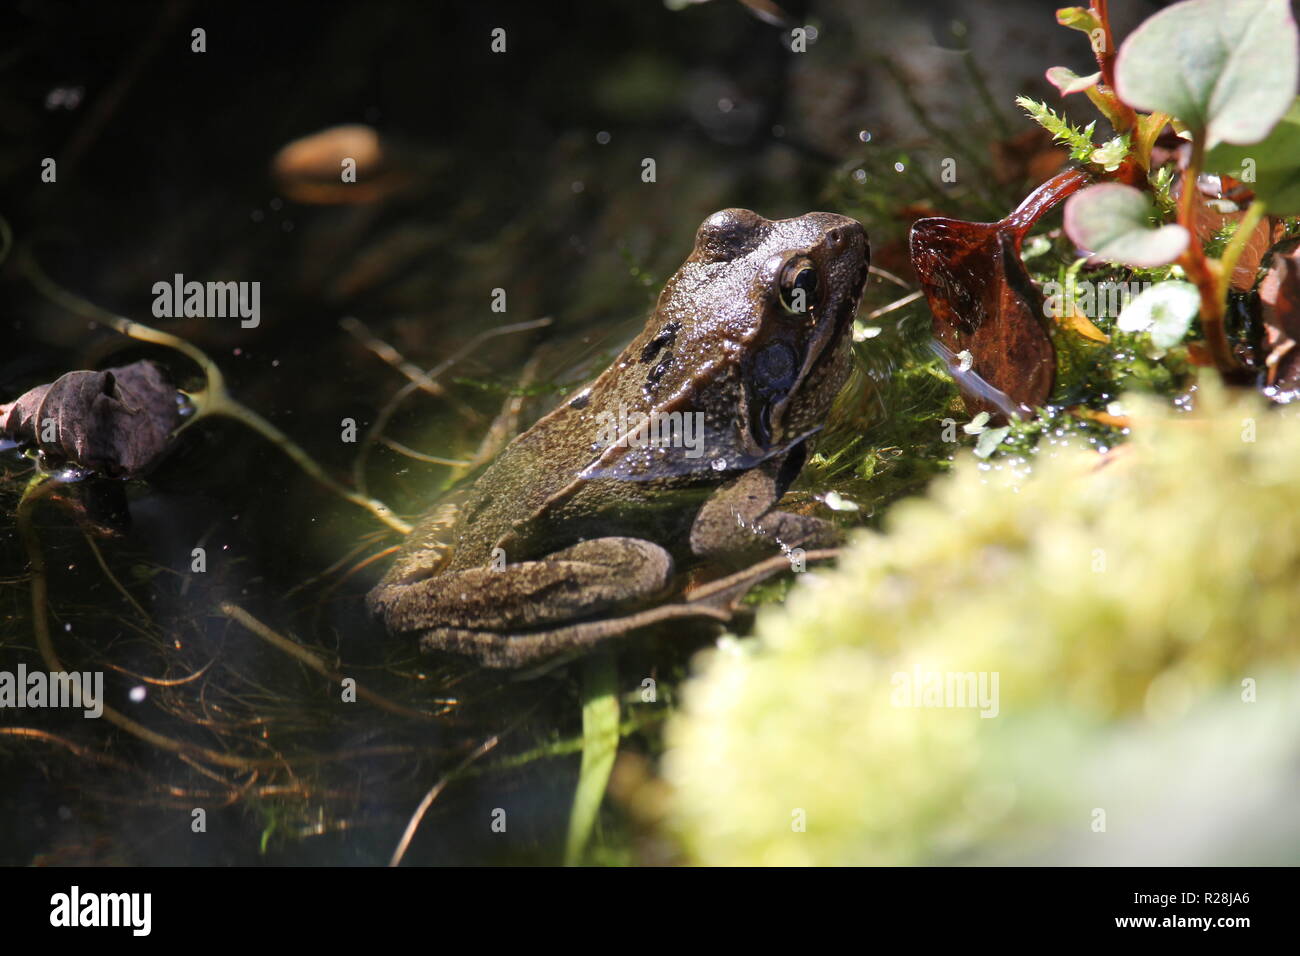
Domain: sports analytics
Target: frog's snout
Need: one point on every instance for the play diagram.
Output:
(849, 234)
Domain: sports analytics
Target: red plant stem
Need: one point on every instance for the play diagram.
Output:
(1043, 200)
(1198, 268)
(1106, 55)
(1125, 118)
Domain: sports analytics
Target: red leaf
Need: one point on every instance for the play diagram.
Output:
(984, 302)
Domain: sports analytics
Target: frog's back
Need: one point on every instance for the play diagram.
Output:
(535, 498)
(515, 489)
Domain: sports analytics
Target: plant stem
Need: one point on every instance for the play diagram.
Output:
(1106, 55)
(215, 399)
(1199, 269)
(1121, 115)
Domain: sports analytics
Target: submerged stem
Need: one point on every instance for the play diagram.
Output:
(215, 398)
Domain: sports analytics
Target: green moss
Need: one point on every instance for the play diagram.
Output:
(1118, 605)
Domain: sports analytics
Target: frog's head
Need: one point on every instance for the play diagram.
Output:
(770, 305)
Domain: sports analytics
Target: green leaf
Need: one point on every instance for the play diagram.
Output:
(1111, 153)
(1165, 311)
(1226, 68)
(1270, 168)
(1078, 18)
(990, 439)
(1113, 222)
(1067, 81)
(599, 747)
(1079, 140)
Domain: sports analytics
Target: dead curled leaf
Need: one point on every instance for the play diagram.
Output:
(1208, 221)
(1279, 296)
(984, 302)
(117, 422)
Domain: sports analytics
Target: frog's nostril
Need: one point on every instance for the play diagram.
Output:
(842, 236)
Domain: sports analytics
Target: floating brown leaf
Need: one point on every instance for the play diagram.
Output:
(117, 422)
(1208, 221)
(1279, 296)
(984, 302)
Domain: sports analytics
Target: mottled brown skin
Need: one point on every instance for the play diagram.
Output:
(590, 531)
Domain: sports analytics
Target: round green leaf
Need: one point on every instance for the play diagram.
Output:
(1271, 168)
(1113, 222)
(1165, 311)
(1226, 68)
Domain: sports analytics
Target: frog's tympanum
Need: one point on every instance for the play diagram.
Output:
(676, 454)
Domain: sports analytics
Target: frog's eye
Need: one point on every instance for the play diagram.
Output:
(799, 286)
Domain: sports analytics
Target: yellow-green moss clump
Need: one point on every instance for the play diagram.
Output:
(1138, 615)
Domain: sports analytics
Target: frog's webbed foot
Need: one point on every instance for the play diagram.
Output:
(476, 610)
(738, 520)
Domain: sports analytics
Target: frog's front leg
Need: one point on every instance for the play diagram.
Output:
(591, 577)
(738, 518)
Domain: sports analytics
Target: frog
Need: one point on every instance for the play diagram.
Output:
(676, 455)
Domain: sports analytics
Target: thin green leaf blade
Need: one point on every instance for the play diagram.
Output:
(600, 734)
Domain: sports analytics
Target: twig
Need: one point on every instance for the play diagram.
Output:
(302, 654)
(896, 304)
(390, 408)
(39, 487)
(99, 556)
(414, 824)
